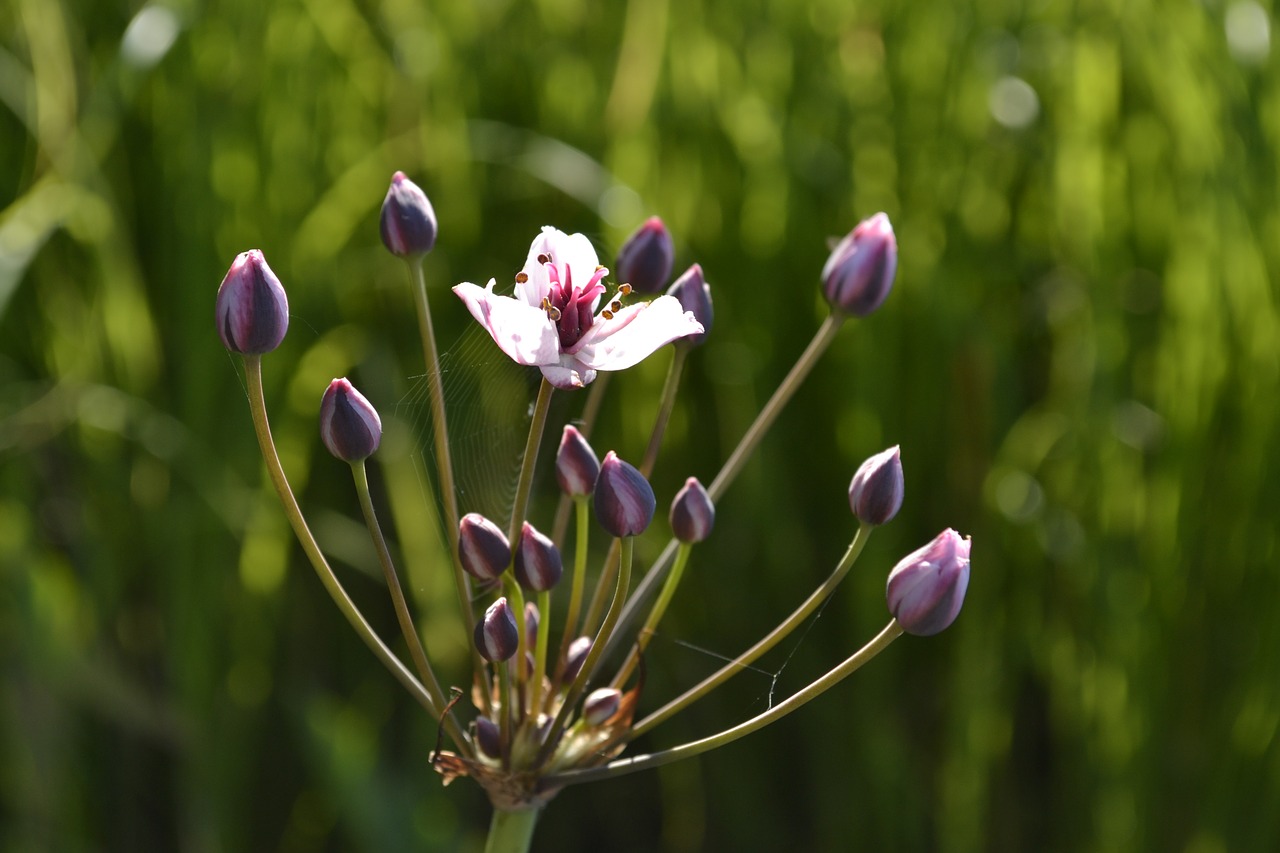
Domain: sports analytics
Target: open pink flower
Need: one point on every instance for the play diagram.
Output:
(551, 321)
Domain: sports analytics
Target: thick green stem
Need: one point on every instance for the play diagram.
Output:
(511, 831)
(766, 643)
(261, 426)
(417, 651)
(623, 766)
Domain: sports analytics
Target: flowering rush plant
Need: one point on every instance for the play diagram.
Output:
(544, 715)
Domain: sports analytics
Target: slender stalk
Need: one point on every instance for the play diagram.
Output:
(507, 735)
(655, 615)
(601, 640)
(540, 656)
(667, 403)
(511, 831)
(591, 411)
(417, 651)
(801, 613)
(579, 581)
(746, 446)
(261, 426)
(623, 766)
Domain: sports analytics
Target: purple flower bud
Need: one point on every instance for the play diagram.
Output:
(482, 547)
(530, 625)
(538, 565)
(497, 636)
(624, 498)
(489, 737)
(692, 512)
(577, 654)
(695, 295)
(576, 464)
(252, 310)
(349, 425)
(600, 705)
(408, 221)
(859, 273)
(875, 494)
(926, 588)
(646, 258)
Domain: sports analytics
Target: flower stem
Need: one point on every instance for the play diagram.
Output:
(540, 656)
(746, 446)
(601, 640)
(623, 766)
(511, 831)
(595, 397)
(668, 401)
(579, 581)
(655, 615)
(417, 651)
(766, 643)
(261, 426)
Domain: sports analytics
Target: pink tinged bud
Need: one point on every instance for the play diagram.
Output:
(926, 588)
(482, 547)
(577, 654)
(349, 425)
(497, 636)
(692, 512)
(695, 296)
(600, 705)
(624, 498)
(646, 258)
(538, 566)
(489, 737)
(875, 494)
(859, 273)
(252, 310)
(576, 464)
(408, 221)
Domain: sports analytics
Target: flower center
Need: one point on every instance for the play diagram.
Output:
(571, 307)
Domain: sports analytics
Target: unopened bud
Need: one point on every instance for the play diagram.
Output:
(538, 566)
(692, 512)
(489, 737)
(408, 222)
(577, 654)
(482, 547)
(600, 705)
(646, 258)
(576, 464)
(497, 636)
(349, 425)
(859, 273)
(530, 625)
(252, 310)
(695, 295)
(624, 499)
(875, 494)
(926, 589)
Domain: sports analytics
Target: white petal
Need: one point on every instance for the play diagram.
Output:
(521, 331)
(634, 333)
(570, 373)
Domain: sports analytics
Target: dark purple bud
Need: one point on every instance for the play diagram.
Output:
(576, 464)
(252, 310)
(875, 494)
(926, 588)
(646, 258)
(530, 625)
(408, 221)
(349, 425)
(859, 273)
(497, 636)
(692, 512)
(695, 295)
(538, 565)
(482, 547)
(489, 737)
(624, 498)
(577, 654)
(600, 705)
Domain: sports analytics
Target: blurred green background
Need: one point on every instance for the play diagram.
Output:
(1079, 361)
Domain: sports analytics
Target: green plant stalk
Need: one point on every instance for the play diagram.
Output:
(261, 426)
(582, 539)
(666, 404)
(506, 731)
(601, 640)
(511, 831)
(623, 766)
(417, 651)
(801, 613)
(746, 446)
(540, 656)
(655, 615)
